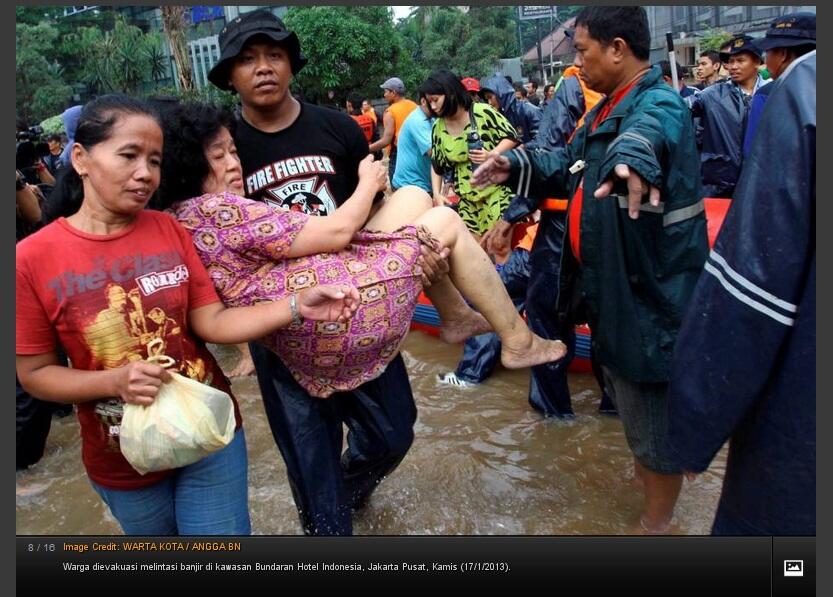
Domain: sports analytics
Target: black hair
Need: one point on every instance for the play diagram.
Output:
(606, 23)
(444, 82)
(798, 51)
(534, 82)
(548, 86)
(520, 88)
(188, 129)
(712, 55)
(95, 125)
(665, 65)
(54, 137)
(356, 99)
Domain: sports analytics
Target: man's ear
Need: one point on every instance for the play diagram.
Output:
(620, 48)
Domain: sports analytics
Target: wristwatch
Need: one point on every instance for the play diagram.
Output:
(293, 309)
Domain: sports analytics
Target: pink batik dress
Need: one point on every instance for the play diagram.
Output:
(243, 244)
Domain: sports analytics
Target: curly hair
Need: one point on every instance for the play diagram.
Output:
(188, 129)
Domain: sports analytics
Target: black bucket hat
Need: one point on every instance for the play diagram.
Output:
(741, 43)
(795, 29)
(235, 35)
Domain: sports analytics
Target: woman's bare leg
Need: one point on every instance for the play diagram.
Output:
(474, 275)
(459, 321)
(400, 209)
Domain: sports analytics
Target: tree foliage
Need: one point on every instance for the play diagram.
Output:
(712, 39)
(40, 87)
(349, 48)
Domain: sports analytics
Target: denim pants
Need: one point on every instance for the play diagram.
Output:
(209, 497)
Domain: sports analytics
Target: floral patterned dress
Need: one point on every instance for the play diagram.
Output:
(243, 244)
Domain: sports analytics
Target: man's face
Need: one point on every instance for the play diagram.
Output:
(529, 88)
(706, 68)
(743, 67)
(54, 146)
(389, 95)
(261, 74)
(596, 61)
(776, 61)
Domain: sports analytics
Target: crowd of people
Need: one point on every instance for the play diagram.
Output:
(185, 224)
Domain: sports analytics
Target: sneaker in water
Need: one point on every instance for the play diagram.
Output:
(451, 378)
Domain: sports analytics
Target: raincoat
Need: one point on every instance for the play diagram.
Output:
(523, 116)
(744, 365)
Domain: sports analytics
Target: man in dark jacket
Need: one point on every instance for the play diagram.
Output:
(628, 265)
(744, 365)
(522, 115)
(723, 109)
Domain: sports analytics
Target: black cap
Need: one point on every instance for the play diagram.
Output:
(795, 29)
(741, 43)
(235, 35)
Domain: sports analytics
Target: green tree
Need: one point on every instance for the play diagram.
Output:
(712, 39)
(349, 48)
(40, 88)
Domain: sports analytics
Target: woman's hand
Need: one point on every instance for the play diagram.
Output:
(329, 302)
(478, 156)
(139, 382)
(373, 173)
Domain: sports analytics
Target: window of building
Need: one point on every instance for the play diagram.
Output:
(732, 14)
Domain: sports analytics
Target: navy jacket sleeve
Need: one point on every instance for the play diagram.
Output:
(745, 306)
(539, 174)
(560, 116)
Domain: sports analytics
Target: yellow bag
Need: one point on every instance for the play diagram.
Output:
(187, 422)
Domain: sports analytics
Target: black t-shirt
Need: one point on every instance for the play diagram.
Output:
(310, 166)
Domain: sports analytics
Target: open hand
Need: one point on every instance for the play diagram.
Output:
(494, 170)
(328, 302)
(638, 187)
(478, 156)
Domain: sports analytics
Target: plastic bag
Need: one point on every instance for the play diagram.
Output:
(187, 422)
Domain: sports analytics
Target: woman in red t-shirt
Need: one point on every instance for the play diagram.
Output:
(117, 284)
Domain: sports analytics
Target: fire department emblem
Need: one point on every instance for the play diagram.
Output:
(302, 195)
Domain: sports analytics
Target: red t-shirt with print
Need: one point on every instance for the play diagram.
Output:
(109, 300)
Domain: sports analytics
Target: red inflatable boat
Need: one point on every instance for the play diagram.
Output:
(426, 318)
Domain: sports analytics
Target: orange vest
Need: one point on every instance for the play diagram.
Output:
(591, 98)
(400, 111)
(366, 123)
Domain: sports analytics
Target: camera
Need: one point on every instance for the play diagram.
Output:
(33, 133)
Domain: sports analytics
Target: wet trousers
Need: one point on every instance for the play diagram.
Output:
(328, 485)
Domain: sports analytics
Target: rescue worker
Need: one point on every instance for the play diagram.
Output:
(630, 280)
(744, 364)
(523, 116)
(723, 109)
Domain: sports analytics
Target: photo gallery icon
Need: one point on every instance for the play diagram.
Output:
(793, 567)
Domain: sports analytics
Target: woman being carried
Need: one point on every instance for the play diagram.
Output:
(255, 254)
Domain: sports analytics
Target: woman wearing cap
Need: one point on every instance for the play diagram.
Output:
(117, 284)
(454, 148)
(256, 254)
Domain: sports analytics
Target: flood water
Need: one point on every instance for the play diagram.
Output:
(483, 462)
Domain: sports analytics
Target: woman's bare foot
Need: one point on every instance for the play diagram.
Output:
(647, 528)
(467, 324)
(538, 352)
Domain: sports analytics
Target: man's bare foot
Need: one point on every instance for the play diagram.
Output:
(538, 352)
(469, 323)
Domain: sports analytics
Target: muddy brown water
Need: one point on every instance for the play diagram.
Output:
(483, 462)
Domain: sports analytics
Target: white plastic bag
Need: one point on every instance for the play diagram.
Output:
(187, 421)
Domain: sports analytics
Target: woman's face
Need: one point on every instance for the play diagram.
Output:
(436, 102)
(121, 174)
(225, 172)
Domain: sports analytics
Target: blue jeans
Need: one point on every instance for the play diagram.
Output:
(209, 497)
